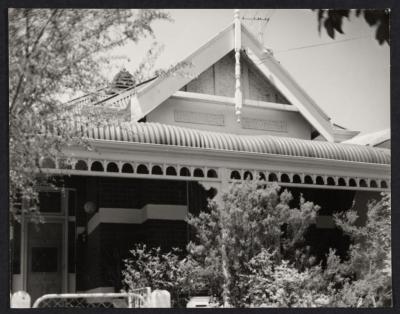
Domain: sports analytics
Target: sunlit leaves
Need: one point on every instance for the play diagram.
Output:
(268, 262)
(254, 217)
(150, 267)
(370, 255)
(54, 52)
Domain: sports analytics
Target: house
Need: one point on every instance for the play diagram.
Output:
(233, 113)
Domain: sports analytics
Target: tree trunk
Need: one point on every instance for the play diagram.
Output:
(225, 271)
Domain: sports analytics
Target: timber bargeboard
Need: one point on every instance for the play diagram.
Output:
(154, 94)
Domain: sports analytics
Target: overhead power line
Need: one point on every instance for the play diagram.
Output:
(322, 44)
(272, 53)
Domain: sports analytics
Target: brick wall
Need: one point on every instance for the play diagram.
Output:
(99, 258)
(102, 256)
(88, 268)
(163, 192)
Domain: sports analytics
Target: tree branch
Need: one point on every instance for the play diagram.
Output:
(29, 53)
(41, 32)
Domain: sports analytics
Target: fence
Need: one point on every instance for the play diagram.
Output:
(139, 298)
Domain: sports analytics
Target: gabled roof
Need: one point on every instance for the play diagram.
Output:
(152, 95)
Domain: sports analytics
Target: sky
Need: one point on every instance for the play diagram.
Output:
(348, 77)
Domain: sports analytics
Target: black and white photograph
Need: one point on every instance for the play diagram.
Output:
(199, 158)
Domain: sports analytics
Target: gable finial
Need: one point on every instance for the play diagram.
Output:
(238, 92)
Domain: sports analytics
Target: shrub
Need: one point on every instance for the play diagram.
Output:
(254, 217)
(250, 252)
(149, 267)
(370, 257)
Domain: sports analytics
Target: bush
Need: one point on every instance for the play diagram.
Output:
(149, 267)
(250, 252)
(254, 217)
(370, 257)
(272, 284)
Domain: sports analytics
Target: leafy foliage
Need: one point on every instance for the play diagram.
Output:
(370, 257)
(251, 219)
(281, 285)
(52, 53)
(250, 252)
(149, 267)
(332, 21)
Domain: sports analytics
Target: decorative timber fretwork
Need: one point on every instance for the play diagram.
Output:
(213, 175)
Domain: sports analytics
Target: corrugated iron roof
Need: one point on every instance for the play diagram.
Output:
(156, 133)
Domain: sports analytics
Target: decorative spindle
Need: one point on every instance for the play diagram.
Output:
(238, 92)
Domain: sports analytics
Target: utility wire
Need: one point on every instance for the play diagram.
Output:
(323, 44)
(272, 53)
(268, 19)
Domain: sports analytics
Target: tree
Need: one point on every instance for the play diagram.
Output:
(268, 263)
(332, 21)
(253, 217)
(54, 52)
(250, 252)
(370, 257)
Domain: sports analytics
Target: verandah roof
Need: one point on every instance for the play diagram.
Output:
(157, 133)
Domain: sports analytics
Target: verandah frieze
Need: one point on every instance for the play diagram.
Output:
(186, 172)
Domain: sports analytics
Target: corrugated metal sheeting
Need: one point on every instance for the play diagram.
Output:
(156, 133)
